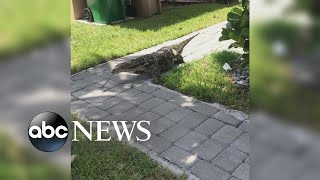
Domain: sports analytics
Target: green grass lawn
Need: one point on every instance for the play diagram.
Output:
(114, 160)
(206, 80)
(92, 45)
(26, 24)
(17, 162)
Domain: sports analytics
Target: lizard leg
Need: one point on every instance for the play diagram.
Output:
(179, 59)
(156, 77)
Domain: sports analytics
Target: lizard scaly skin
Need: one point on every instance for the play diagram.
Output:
(155, 63)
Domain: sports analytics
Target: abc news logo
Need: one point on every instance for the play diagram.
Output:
(48, 131)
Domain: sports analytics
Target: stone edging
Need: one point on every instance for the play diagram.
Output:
(235, 113)
(163, 162)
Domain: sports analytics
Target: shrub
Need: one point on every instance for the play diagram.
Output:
(237, 29)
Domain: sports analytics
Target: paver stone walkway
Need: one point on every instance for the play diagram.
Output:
(205, 140)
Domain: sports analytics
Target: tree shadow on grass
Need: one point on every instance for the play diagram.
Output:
(172, 16)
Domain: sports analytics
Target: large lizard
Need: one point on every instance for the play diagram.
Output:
(155, 63)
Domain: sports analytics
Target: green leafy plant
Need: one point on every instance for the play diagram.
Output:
(237, 29)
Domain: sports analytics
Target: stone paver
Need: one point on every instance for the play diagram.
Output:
(209, 149)
(109, 103)
(120, 108)
(183, 101)
(207, 171)
(122, 77)
(145, 88)
(162, 94)
(242, 143)
(81, 75)
(79, 106)
(156, 144)
(229, 119)
(229, 159)
(209, 127)
(242, 172)
(193, 120)
(160, 125)
(190, 141)
(94, 114)
(164, 108)
(149, 116)
(103, 96)
(102, 73)
(175, 132)
(73, 98)
(94, 88)
(247, 160)
(204, 44)
(151, 103)
(83, 83)
(227, 134)
(81, 94)
(75, 88)
(133, 113)
(128, 94)
(189, 133)
(245, 125)
(107, 84)
(180, 157)
(178, 114)
(204, 108)
(115, 118)
(95, 98)
(140, 98)
(234, 178)
(94, 78)
(119, 88)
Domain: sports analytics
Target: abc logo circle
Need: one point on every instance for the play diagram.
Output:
(48, 132)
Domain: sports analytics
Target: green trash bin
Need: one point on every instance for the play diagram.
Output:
(107, 11)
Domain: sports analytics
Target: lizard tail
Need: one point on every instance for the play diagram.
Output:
(128, 66)
(118, 69)
(179, 47)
